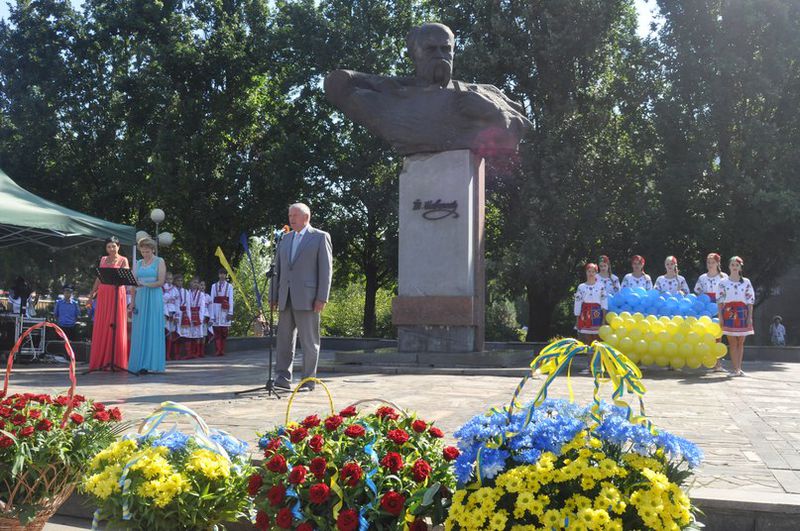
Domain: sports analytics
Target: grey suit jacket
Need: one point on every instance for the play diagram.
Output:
(308, 277)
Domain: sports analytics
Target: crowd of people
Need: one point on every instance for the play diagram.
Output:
(732, 292)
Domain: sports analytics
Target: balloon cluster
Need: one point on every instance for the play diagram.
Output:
(653, 302)
(674, 341)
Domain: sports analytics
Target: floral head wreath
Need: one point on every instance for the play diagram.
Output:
(714, 256)
(604, 260)
(736, 259)
(671, 260)
(638, 258)
(591, 265)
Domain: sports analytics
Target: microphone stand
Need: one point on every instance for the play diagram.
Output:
(269, 386)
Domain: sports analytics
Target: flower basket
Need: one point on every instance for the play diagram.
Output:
(169, 480)
(45, 443)
(385, 470)
(551, 464)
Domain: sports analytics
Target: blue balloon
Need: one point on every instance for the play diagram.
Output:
(705, 299)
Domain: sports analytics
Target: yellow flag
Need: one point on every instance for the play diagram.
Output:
(224, 261)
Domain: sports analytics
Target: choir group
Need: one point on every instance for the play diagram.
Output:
(732, 292)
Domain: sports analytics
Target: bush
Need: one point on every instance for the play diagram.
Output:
(344, 314)
(501, 321)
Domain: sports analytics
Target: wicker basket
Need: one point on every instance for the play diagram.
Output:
(57, 479)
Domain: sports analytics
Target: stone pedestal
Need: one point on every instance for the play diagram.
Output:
(441, 282)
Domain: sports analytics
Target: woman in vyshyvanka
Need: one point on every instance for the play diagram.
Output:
(671, 282)
(609, 280)
(638, 278)
(735, 300)
(591, 304)
(707, 285)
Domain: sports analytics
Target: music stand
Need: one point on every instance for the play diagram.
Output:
(114, 276)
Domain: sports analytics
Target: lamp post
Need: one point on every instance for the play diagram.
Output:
(157, 216)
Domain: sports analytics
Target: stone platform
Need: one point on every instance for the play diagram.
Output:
(749, 428)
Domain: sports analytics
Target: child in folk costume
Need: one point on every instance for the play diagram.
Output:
(591, 304)
(179, 345)
(192, 317)
(638, 278)
(208, 329)
(671, 282)
(610, 280)
(221, 310)
(171, 309)
(707, 285)
(735, 300)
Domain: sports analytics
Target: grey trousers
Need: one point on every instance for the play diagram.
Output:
(291, 324)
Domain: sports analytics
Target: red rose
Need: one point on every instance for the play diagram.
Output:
(355, 431)
(99, 406)
(76, 418)
(393, 461)
(351, 474)
(398, 436)
(450, 453)
(18, 419)
(79, 399)
(34, 413)
(5, 441)
(349, 411)
(277, 464)
(62, 400)
(27, 431)
(262, 521)
(20, 404)
(298, 475)
(318, 466)
(393, 502)
(102, 416)
(5, 411)
(419, 426)
(44, 425)
(2, 424)
(347, 521)
(284, 518)
(421, 470)
(254, 484)
(386, 412)
(316, 442)
(436, 432)
(272, 447)
(298, 435)
(305, 526)
(331, 423)
(115, 413)
(276, 495)
(319, 493)
(311, 421)
(418, 525)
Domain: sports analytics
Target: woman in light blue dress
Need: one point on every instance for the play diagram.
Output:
(148, 352)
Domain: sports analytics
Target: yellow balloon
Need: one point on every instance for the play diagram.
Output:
(677, 319)
(709, 339)
(686, 351)
(613, 340)
(641, 346)
(709, 362)
(671, 349)
(692, 338)
(656, 348)
(634, 357)
(671, 328)
(630, 323)
(706, 320)
(716, 330)
(626, 345)
(651, 319)
(720, 350)
(647, 359)
(625, 315)
(610, 315)
(643, 326)
(657, 327)
(649, 336)
(664, 319)
(679, 338)
(677, 362)
(703, 350)
(664, 337)
(662, 361)
(616, 323)
(691, 319)
(699, 328)
(693, 362)
(605, 331)
(635, 334)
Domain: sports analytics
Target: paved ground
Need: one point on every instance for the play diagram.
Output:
(748, 427)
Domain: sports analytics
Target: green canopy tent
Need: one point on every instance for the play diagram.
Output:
(27, 218)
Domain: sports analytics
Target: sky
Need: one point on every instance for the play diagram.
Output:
(643, 7)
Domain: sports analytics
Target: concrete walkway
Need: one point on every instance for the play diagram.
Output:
(749, 428)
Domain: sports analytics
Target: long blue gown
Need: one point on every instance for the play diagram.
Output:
(148, 351)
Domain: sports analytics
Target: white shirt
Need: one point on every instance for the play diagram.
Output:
(732, 291)
(591, 293)
(296, 239)
(630, 281)
(611, 284)
(708, 284)
(673, 286)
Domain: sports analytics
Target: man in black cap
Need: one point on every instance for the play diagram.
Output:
(66, 313)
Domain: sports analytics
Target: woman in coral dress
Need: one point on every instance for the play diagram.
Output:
(110, 331)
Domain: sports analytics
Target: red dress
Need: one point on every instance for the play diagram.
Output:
(110, 300)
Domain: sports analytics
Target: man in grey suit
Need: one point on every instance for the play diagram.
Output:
(299, 290)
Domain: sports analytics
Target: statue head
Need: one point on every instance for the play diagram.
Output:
(431, 47)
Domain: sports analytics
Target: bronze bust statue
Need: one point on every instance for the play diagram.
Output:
(430, 112)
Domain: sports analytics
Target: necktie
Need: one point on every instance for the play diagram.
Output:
(295, 244)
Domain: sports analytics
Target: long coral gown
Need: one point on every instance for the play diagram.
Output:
(107, 338)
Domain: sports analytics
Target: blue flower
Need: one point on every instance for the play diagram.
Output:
(232, 445)
(173, 440)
